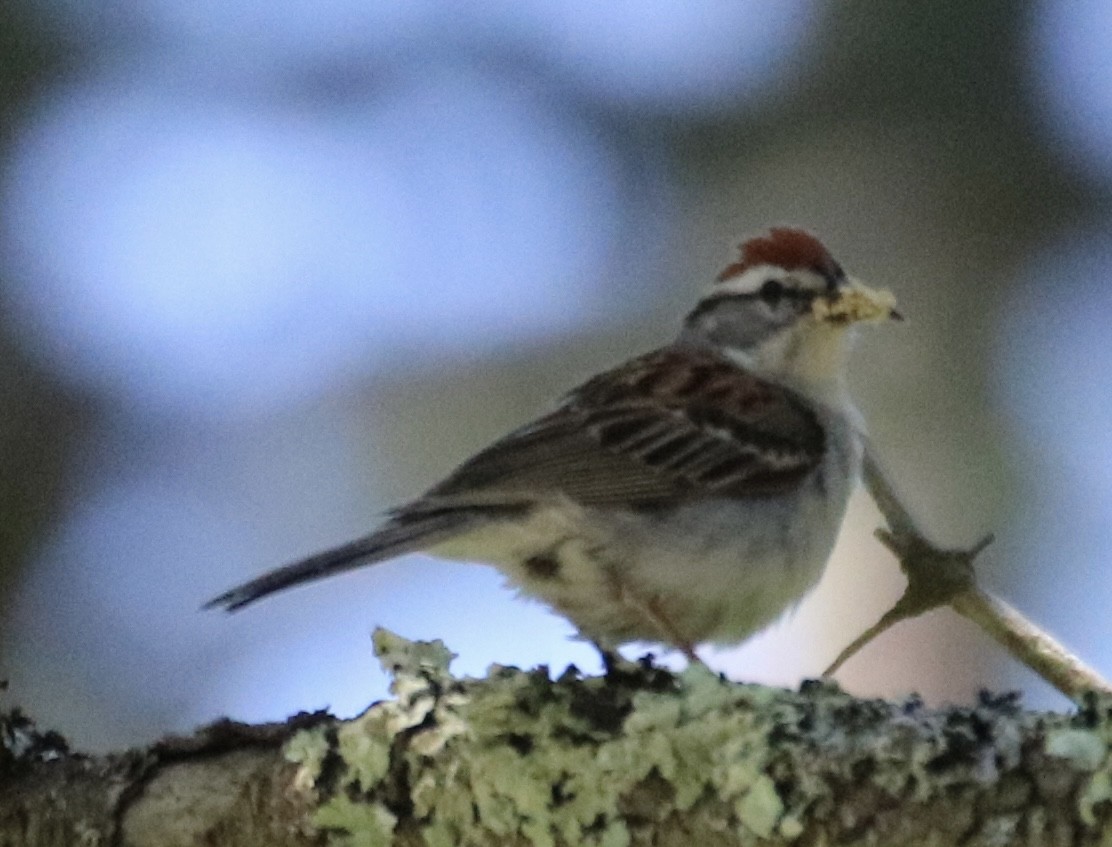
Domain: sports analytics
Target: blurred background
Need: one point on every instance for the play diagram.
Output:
(268, 268)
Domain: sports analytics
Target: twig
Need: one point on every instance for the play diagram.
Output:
(937, 577)
(1029, 644)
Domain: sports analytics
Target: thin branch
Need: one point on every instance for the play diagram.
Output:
(1029, 644)
(889, 619)
(937, 577)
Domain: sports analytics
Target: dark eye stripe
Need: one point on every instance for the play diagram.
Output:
(800, 296)
(772, 292)
(834, 276)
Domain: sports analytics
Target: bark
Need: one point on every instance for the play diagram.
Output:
(639, 757)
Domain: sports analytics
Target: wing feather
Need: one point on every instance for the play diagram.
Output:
(664, 427)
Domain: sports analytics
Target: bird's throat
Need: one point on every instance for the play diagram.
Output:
(809, 359)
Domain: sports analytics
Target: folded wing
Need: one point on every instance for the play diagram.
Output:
(667, 426)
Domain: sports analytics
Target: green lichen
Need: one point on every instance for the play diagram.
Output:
(1097, 791)
(1085, 744)
(356, 824)
(411, 658)
(520, 758)
(549, 763)
(1084, 748)
(366, 747)
(308, 749)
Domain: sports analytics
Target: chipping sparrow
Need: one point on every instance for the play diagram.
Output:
(689, 495)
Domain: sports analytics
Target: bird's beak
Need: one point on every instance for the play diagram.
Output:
(855, 302)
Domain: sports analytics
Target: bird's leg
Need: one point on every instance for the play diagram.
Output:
(657, 616)
(612, 660)
(651, 611)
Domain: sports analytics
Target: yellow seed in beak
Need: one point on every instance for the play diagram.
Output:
(855, 302)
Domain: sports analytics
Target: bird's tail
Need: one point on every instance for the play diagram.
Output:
(402, 534)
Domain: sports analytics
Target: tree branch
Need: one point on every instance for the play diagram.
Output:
(640, 757)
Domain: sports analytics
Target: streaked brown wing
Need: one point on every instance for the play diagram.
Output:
(669, 425)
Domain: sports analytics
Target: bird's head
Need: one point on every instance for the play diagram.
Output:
(785, 310)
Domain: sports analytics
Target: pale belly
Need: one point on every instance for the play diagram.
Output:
(713, 571)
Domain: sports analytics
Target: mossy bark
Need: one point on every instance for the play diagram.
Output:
(639, 757)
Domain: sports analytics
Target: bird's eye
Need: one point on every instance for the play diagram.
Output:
(772, 292)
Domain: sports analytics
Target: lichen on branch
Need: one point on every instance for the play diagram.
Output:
(645, 756)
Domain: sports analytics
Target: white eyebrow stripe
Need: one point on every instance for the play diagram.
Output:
(753, 278)
(747, 282)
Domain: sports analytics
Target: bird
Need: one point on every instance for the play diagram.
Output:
(688, 496)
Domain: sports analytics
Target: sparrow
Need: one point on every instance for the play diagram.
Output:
(690, 495)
